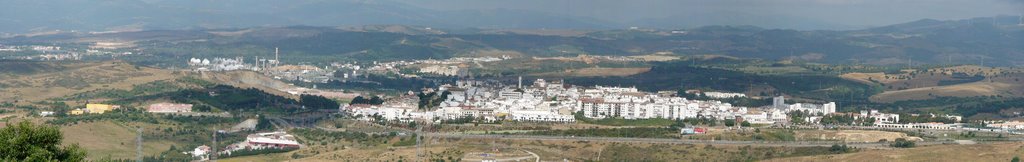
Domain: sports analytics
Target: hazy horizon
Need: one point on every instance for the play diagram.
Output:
(851, 14)
(24, 16)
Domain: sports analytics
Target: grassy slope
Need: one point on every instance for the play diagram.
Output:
(80, 77)
(927, 84)
(979, 152)
(102, 139)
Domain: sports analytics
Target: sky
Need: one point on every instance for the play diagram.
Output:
(850, 13)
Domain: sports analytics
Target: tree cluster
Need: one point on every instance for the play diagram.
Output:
(25, 141)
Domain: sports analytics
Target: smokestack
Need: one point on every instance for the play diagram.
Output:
(277, 58)
(520, 82)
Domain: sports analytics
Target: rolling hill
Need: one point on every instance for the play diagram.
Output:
(921, 42)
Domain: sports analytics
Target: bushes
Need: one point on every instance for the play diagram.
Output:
(121, 115)
(837, 148)
(902, 143)
(406, 141)
(233, 98)
(624, 122)
(372, 101)
(29, 142)
(616, 132)
(256, 152)
(318, 102)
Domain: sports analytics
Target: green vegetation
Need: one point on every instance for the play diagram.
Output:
(688, 152)
(682, 75)
(846, 120)
(372, 101)
(119, 115)
(924, 118)
(798, 117)
(25, 141)
(231, 98)
(354, 138)
(248, 152)
(318, 102)
(837, 148)
(432, 100)
(902, 143)
(410, 141)
(150, 88)
(990, 107)
(774, 135)
(735, 101)
(374, 82)
(656, 122)
(613, 132)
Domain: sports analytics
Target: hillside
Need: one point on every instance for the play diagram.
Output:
(916, 43)
(958, 81)
(60, 79)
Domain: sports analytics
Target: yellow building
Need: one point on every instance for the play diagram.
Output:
(76, 112)
(99, 108)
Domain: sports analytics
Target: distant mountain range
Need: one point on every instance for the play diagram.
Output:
(36, 16)
(23, 16)
(994, 40)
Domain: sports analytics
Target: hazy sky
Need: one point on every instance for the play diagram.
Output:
(861, 13)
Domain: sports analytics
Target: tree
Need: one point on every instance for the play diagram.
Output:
(836, 148)
(262, 123)
(29, 142)
(745, 124)
(1015, 159)
(318, 102)
(902, 143)
(730, 123)
(371, 101)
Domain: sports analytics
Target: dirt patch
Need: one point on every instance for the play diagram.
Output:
(656, 57)
(597, 71)
(852, 135)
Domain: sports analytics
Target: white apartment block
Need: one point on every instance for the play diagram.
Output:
(553, 101)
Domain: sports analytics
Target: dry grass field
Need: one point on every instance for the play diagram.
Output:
(977, 152)
(851, 135)
(595, 71)
(959, 81)
(79, 77)
(960, 90)
(469, 149)
(103, 139)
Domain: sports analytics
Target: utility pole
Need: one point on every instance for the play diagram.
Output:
(138, 144)
(213, 152)
(419, 143)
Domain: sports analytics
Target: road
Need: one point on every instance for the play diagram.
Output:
(673, 141)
